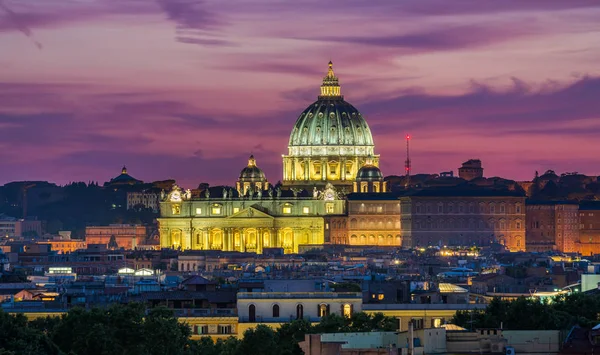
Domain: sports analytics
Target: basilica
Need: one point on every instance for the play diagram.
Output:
(331, 154)
(333, 192)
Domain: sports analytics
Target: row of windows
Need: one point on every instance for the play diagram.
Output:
(463, 223)
(216, 209)
(323, 310)
(471, 208)
(203, 329)
(371, 223)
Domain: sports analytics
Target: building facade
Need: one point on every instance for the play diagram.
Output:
(147, 199)
(14, 227)
(373, 219)
(275, 308)
(329, 143)
(115, 236)
(462, 217)
(552, 226)
(589, 228)
(279, 219)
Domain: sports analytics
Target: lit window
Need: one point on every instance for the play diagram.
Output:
(176, 209)
(379, 209)
(347, 310)
(329, 208)
(305, 210)
(326, 225)
(437, 322)
(198, 210)
(287, 210)
(216, 210)
(236, 209)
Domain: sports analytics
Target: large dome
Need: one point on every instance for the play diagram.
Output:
(329, 142)
(330, 121)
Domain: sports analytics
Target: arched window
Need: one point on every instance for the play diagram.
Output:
(323, 310)
(347, 310)
(252, 313)
(299, 311)
(275, 311)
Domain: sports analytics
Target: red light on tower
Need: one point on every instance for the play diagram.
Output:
(407, 136)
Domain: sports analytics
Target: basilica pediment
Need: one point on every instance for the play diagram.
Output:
(251, 212)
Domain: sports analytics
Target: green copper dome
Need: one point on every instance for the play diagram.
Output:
(330, 120)
(252, 173)
(369, 173)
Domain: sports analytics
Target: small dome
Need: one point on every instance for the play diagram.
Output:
(369, 173)
(252, 173)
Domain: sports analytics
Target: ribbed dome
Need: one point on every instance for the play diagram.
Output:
(252, 173)
(330, 120)
(369, 173)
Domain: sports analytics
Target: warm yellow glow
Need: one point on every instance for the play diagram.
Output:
(331, 86)
(305, 210)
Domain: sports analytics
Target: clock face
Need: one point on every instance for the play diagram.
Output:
(176, 196)
(329, 195)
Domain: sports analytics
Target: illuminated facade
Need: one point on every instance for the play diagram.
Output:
(126, 236)
(329, 143)
(552, 226)
(247, 223)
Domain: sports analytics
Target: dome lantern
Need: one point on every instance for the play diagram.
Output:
(331, 86)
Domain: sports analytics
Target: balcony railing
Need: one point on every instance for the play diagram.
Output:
(259, 319)
(296, 295)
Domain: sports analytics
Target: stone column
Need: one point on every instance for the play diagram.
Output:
(279, 241)
(324, 168)
(243, 240)
(185, 238)
(306, 169)
(273, 235)
(205, 242)
(259, 241)
(294, 162)
(343, 169)
(165, 237)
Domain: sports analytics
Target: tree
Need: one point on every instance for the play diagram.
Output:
(259, 341)
(16, 337)
(290, 334)
(164, 334)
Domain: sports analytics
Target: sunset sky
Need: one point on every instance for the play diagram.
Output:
(188, 89)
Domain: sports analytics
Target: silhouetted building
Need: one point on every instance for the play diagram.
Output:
(471, 169)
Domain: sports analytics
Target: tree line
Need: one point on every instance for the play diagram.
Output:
(131, 330)
(558, 313)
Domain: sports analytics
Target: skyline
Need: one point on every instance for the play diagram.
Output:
(88, 87)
